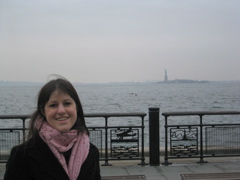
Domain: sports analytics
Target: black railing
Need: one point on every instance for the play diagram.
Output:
(124, 141)
(120, 136)
(187, 140)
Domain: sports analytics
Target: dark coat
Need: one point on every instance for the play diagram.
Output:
(34, 160)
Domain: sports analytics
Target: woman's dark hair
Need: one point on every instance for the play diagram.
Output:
(43, 97)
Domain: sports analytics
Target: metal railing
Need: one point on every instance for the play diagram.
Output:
(118, 139)
(187, 140)
(120, 136)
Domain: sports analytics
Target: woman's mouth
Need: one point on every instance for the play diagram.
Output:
(62, 119)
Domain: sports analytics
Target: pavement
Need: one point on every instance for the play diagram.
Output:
(162, 172)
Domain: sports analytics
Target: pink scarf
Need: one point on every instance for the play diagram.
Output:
(60, 142)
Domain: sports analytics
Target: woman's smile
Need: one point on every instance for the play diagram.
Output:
(61, 119)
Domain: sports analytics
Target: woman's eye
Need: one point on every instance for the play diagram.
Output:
(52, 105)
(67, 103)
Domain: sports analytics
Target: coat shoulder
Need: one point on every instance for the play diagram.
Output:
(93, 148)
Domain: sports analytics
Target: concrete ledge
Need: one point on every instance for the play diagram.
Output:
(208, 176)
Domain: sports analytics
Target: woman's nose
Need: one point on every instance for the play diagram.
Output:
(61, 109)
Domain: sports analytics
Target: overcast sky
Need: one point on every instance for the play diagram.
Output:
(98, 41)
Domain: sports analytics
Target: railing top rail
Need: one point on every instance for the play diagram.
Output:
(140, 114)
(200, 113)
(14, 116)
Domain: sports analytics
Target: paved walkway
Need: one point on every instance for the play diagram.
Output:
(171, 172)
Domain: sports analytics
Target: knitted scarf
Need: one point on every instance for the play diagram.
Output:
(60, 142)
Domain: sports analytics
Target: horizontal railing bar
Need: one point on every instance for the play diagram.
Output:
(126, 126)
(90, 127)
(14, 129)
(201, 113)
(24, 116)
(111, 127)
(115, 114)
(187, 125)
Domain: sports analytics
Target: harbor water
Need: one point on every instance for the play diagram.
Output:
(136, 97)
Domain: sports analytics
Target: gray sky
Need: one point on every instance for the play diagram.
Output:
(95, 41)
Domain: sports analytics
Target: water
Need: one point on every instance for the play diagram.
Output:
(111, 98)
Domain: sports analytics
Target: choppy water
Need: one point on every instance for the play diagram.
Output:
(110, 98)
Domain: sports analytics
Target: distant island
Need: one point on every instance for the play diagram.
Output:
(180, 80)
(183, 81)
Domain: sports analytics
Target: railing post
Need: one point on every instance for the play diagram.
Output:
(166, 162)
(201, 141)
(24, 129)
(154, 152)
(143, 158)
(106, 143)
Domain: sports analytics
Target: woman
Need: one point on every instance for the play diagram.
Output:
(58, 144)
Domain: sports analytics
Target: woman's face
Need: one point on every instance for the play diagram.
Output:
(61, 111)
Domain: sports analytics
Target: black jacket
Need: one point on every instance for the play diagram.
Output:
(34, 160)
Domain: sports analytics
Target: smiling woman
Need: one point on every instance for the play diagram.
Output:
(61, 111)
(58, 145)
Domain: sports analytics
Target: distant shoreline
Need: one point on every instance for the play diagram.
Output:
(177, 81)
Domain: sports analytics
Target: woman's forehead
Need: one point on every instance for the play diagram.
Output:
(59, 93)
